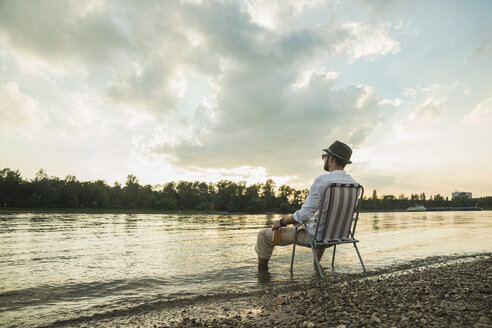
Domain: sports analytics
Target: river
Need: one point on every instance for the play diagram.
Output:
(58, 267)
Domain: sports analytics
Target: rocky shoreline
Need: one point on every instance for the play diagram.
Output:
(452, 294)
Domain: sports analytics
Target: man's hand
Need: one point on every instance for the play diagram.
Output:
(276, 225)
(289, 219)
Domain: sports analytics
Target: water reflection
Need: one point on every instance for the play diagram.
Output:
(130, 224)
(269, 220)
(459, 219)
(375, 221)
(37, 219)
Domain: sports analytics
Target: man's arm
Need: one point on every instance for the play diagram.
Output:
(289, 219)
(308, 209)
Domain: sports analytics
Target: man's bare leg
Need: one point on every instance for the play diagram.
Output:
(262, 264)
(319, 253)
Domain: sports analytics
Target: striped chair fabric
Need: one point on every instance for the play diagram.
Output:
(337, 212)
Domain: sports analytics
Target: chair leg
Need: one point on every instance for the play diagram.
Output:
(333, 257)
(293, 252)
(317, 263)
(315, 257)
(360, 258)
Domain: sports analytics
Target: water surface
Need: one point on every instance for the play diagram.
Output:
(64, 266)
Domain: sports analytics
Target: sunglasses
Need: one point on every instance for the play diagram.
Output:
(324, 156)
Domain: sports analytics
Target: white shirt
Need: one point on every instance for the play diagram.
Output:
(313, 201)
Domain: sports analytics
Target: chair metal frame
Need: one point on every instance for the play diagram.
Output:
(349, 239)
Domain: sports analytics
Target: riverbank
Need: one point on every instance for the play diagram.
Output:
(449, 295)
(435, 292)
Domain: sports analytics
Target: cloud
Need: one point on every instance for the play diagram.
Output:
(409, 92)
(145, 49)
(431, 88)
(81, 114)
(304, 78)
(61, 32)
(204, 84)
(280, 14)
(430, 109)
(157, 87)
(271, 93)
(376, 9)
(419, 123)
(396, 102)
(20, 112)
(245, 173)
(481, 113)
(259, 128)
(368, 40)
(482, 50)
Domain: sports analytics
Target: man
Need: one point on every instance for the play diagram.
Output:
(335, 158)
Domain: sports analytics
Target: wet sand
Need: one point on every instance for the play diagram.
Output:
(435, 292)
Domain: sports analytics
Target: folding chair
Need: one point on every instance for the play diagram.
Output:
(335, 221)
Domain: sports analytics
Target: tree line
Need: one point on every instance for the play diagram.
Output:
(402, 202)
(52, 192)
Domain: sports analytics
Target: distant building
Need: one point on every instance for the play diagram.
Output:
(459, 193)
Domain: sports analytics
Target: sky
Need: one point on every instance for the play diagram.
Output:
(249, 90)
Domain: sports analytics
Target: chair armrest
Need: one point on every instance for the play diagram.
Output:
(307, 221)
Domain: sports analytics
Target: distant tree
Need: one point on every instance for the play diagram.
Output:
(285, 208)
(285, 194)
(256, 205)
(70, 179)
(268, 194)
(485, 202)
(168, 198)
(286, 199)
(299, 198)
(131, 192)
(116, 197)
(10, 187)
(41, 175)
(438, 200)
(70, 192)
(422, 198)
(462, 200)
(146, 197)
(388, 202)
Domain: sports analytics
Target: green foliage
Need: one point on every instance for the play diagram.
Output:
(390, 202)
(286, 208)
(51, 192)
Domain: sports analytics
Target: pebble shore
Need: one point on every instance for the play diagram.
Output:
(455, 294)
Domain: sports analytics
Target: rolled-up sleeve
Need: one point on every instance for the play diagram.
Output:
(312, 203)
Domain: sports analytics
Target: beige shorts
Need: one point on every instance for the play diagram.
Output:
(264, 245)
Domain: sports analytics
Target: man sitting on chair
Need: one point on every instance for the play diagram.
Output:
(335, 158)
